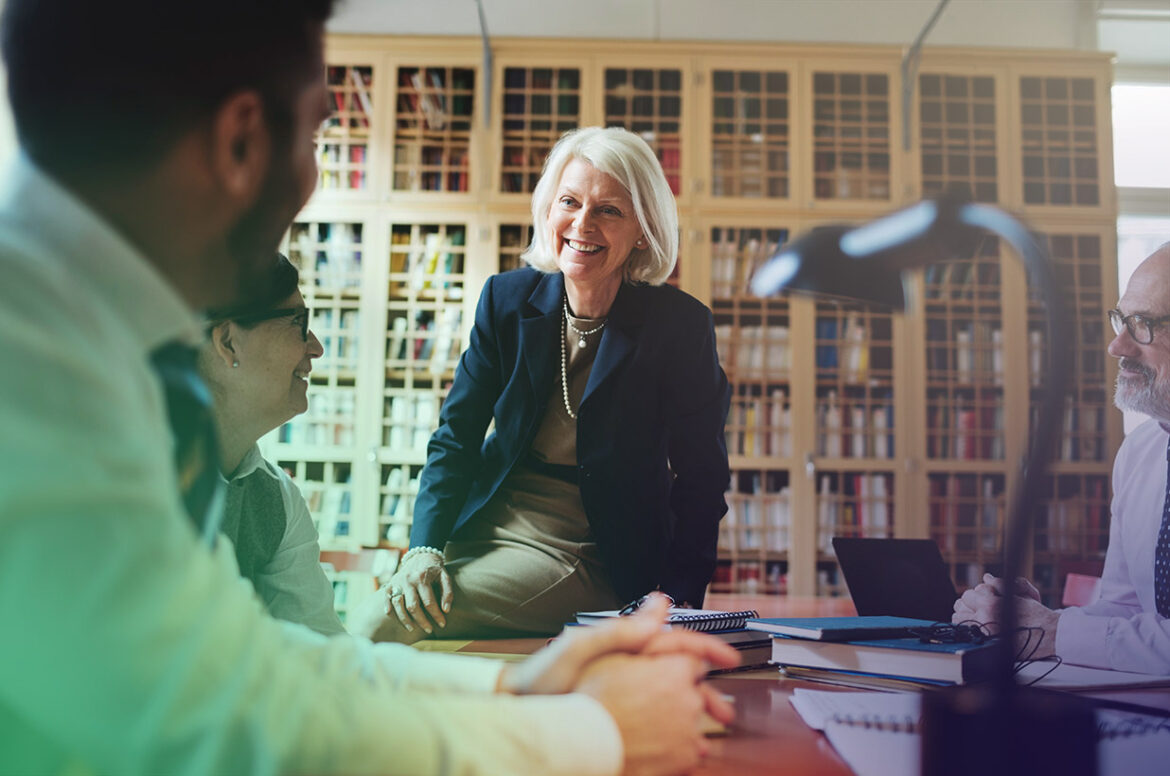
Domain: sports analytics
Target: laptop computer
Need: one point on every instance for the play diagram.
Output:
(899, 577)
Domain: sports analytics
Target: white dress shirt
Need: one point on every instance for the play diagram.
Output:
(1123, 630)
(127, 646)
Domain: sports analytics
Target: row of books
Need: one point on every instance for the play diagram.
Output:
(433, 340)
(1083, 437)
(329, 255)
(329, 506)
(670, 157)
(338, 152)
(426, 92)
(349, 89)
(966, 514)
(410, 420)
(753, 349)
(843, 347)
(760, 426)
(428, 167)
(757, 521)
(397, 508)
(341, 165)
(521, 166)
(735, 257)
(965, 433)
(854, 429)
(973, 353)
(329, 421)
(843, 185)
(1077, 525)
(741, 170)
(338, 335)
(433, 269)
(853, 504)
(751, 576)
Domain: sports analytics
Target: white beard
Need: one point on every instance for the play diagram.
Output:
(1146, 395)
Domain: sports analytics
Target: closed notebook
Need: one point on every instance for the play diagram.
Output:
(958, 663)
(838, 628)
(692, 619)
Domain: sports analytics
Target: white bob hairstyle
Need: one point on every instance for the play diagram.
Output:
(626, 157)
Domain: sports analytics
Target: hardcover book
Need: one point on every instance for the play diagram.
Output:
(838, 628)
(908, 657)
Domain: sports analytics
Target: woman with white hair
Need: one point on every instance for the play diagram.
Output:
(604, 477)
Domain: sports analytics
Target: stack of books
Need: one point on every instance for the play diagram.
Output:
(873, 652)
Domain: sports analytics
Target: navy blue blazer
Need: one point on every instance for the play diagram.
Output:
(651, 457)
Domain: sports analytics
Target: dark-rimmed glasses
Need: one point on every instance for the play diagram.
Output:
(300, 316)
(1140, 327)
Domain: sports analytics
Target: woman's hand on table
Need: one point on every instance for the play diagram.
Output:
(411, 593)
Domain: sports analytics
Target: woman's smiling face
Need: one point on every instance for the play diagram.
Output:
(593, 226)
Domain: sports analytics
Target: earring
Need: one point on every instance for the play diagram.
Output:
(235, 364)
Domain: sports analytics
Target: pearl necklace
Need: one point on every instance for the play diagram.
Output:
(581, 335)
(565, 358)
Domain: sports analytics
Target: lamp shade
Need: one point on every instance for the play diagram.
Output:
(815, 264)
(865, 262)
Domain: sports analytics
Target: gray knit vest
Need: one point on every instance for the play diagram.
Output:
(254, 520)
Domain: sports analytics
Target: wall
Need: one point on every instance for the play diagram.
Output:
(996, 23)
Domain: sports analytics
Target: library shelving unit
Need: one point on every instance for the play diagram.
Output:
(432, 128)
(343, 144)
(846, 419)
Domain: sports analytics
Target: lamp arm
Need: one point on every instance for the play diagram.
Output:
(1027, 495)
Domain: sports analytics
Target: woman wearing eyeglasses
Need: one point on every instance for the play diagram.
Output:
(257, 365)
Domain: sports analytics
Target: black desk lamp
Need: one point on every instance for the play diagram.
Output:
(998, 728)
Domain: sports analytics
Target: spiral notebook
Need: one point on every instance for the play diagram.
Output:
(691, 619)
(877, 733)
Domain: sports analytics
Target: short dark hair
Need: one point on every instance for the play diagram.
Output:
(102, 87)
(280, 280)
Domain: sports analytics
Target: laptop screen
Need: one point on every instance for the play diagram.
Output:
(899, 577)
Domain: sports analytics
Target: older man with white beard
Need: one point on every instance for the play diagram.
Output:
(1128, 629)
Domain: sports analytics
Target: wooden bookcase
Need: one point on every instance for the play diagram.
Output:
(845, 419)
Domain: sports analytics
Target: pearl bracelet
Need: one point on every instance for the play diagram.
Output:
(416, 550)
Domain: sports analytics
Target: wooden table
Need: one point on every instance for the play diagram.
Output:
(768, 737)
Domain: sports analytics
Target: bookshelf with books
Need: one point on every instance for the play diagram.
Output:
(424, 334)
(433, 128)
(513, 236)
(344, 140)
(852, 127)
(1073, 523)
(958, 134)
(967, 513)
(856, 428)
(755, 535)
(1060, 148)
(844, 419)
(751, 131)
(538, 104)
(649, 102)
(852, 500)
